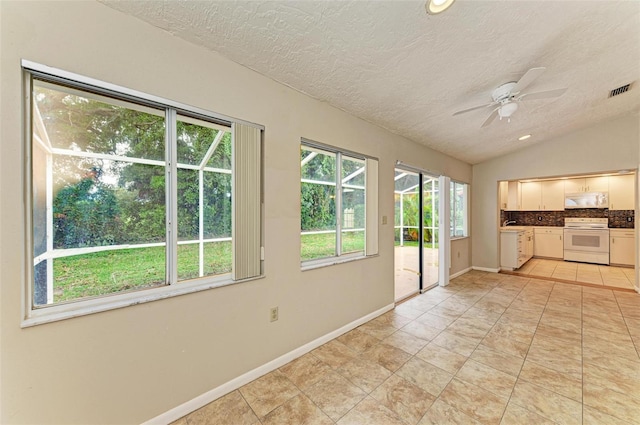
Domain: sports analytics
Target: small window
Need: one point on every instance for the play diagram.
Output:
(112, 213)
(459, 210)
(333, 203)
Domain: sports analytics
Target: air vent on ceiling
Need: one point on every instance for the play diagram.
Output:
(620, 90)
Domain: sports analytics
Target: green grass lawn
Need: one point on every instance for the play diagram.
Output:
(109, 272)
(324, 245)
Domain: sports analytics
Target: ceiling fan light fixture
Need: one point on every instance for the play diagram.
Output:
(437, 6)
(507, 109)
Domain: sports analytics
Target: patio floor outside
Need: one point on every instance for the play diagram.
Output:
(407, 267)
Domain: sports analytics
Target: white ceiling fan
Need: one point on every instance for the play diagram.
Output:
(506, 97)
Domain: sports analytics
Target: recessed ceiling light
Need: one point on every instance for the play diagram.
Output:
(438, 6)
(525, 137)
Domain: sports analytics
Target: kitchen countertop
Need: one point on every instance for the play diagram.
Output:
(514, 228)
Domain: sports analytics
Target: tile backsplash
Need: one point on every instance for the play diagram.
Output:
(622, 219)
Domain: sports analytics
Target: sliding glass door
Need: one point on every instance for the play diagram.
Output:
(430, 223)
(416, 232)
(407, 234)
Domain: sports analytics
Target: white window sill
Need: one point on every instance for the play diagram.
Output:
(332, 261)
(54, 313)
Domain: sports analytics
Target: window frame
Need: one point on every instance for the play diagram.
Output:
(338, 256)
(465, 210)
(33, 314)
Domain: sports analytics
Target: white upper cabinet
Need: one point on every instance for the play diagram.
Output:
(597, 184)
(553, 195)
(531, 196)
(621, 192)
(503, 188)
(589, 184)
(574, 185)
(514, 196)
(543, 196)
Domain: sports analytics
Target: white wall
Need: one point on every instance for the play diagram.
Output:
(131, 364)
(460, 255)
(608, 146)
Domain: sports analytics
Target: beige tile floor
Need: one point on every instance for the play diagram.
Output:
(618, 277)
(487, 349)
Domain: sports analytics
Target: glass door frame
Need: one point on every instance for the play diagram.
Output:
(423, 176)
(443, 222)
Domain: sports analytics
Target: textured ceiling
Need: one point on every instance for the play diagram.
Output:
(391, 64)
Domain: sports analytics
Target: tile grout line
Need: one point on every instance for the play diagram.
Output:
(502, 314)
(582, 345)
(485, 288)
(428, 342)
(527, 353)
(627, 325)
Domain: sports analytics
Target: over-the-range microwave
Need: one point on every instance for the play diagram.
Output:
(586, 200)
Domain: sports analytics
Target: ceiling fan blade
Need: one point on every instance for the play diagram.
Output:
(529, 77)
(473, 109)
(491, 117)
(542, 94)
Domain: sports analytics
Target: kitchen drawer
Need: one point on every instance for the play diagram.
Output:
(622, 233)
(547, 231)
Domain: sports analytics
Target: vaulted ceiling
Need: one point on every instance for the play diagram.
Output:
(391, 64)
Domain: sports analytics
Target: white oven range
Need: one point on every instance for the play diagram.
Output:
(586, 240)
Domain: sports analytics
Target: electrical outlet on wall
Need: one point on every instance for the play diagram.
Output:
(273, 314)
(629, 219)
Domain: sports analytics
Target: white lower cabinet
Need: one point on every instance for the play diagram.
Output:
(529, 244)
(548, 242)
(516, 247)
(622, 247)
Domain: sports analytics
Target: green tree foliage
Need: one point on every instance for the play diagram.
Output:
(85, 214)
(193, 143)
(100, 202)
(410, 214)
(317, 203)
(318, 207)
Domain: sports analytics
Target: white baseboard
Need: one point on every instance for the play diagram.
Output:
(460, 273)
(206, 398)
(486, 269)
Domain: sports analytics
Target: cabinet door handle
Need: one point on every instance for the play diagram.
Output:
(613, 240)
(560, 236)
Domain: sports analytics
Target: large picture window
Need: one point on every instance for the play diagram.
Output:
(459, 210)
(333, 202)
(128, 194)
